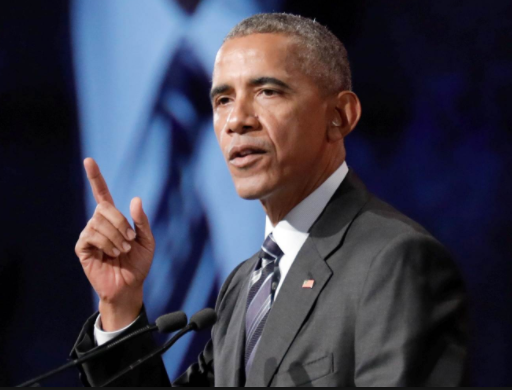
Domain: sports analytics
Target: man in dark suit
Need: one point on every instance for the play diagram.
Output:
(345, 291)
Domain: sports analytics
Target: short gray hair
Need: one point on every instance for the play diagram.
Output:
(323, 57)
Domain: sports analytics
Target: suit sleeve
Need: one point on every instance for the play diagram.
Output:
(411, 321)
(152, 373)
(98, 371)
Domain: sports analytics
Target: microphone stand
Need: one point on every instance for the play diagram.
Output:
(189, 328)
(91, 355)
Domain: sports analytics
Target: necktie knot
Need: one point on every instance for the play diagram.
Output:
(270, 250)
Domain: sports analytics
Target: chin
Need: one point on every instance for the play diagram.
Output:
(252, 189)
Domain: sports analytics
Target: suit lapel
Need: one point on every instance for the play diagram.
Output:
(294, 303)
(288, 313)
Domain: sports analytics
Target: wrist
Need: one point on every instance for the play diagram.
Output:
(116, 316)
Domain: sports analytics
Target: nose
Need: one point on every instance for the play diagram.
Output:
(242, 118)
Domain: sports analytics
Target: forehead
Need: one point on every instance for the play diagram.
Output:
(255, 55)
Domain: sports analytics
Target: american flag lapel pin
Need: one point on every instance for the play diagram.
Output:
(308, 284)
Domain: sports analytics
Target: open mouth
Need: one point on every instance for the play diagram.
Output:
(246, 153)
(242, 157)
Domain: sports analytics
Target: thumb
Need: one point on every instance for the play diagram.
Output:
(141, 221)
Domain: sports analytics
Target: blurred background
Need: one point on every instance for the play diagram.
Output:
(126, 82)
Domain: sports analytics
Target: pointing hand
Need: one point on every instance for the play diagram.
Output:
(116, 258)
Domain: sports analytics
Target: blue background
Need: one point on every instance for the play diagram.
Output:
(82, 78)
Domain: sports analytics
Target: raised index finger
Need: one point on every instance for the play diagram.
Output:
(98, 185)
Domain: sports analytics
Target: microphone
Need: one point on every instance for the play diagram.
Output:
(167, 323)
(203, 319)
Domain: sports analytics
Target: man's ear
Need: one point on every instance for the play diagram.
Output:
(346, 114)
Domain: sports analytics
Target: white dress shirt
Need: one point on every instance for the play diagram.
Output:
(290, 234)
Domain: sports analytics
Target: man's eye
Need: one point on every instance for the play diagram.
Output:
(269, 92)
(223, 100)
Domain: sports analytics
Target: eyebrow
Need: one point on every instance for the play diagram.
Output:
(268, 80)
(219, 90)
(254, 82)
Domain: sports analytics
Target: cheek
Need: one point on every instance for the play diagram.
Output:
(280, 121)
(219, 124)
(309, 134)
(295, 134)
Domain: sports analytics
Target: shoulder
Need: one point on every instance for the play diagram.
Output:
(230, 278)
(237, 277)
(386, 241)
(379, 226)
(381, 236)
(379, 215)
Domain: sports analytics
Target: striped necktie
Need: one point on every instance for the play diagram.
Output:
(264, 282)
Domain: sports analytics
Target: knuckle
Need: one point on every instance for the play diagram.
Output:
(83, 239)
(120, 223)
(102, 206)
(85, 234)
(118, 240)
(111, 214)
(114, 236)
(98, 223)
(93, 223)
(122, 227)
(117, 217)
(103, 244)
(120, 237)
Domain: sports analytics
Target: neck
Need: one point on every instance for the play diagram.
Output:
(279, 204)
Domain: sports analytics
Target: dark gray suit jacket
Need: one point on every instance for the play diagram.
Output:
(387, 309)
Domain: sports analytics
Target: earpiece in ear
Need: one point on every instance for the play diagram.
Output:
(336, 124)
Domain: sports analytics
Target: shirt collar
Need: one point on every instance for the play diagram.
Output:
(291, 233)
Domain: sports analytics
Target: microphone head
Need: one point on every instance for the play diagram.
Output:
(203, 319)
(171, 322)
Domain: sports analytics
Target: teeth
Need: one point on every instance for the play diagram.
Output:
(247, 152)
